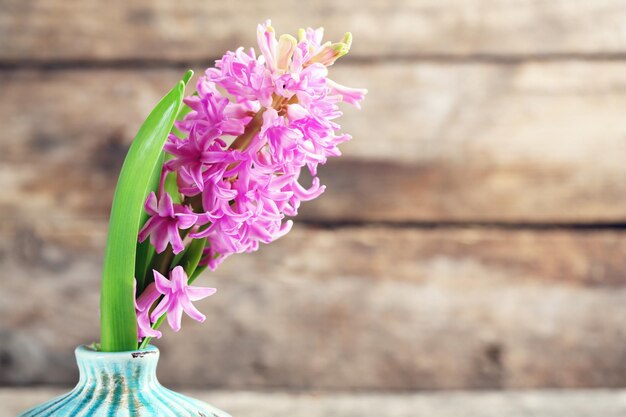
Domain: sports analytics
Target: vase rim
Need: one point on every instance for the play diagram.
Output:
(88, 352)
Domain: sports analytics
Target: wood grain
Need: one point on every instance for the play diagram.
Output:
(499, 113)
(475, 142)
(91, 30)
(570, 403)
(352, 308)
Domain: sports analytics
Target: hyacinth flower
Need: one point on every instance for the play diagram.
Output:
(177, 297)
(231, 176)
(166, 218)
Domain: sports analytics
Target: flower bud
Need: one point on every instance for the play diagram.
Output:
(286, 47)
(329, 53)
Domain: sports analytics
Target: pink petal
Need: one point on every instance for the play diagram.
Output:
(166, 206)
(348, 94)
(284, 229)
(195, 172)
(186, 220)
(305, 195)
(198, 293)
(178, 278)
(159, 235)
(144, 327)
(232, 127)
(174, 316)
(151, 204)
(173, 236)
(149, 295)
(191, 310)
(161, 308)
(151, 224)
(200, 234)
(204, 218)
(267, 44)
(163, 285)
(213, 132)
(296, 112)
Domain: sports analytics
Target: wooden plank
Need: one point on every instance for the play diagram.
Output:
(353, 308)
(475, 142)
(571, 403)
(56, 30)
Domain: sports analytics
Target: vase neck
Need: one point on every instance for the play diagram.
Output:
(132, 370)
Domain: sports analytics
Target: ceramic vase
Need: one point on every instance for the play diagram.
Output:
(121, 384)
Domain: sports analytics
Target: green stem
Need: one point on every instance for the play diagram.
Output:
(145, 253)
(199, 270)
(162, 261)
(155, 325)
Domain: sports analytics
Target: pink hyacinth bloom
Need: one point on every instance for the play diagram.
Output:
(142, 309)
(258, 119)
(166, 218)
(177, 297)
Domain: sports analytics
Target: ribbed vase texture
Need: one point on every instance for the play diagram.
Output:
(121, 384)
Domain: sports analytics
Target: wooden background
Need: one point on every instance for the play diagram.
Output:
(473, 236)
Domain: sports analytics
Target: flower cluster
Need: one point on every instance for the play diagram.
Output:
(253, 124)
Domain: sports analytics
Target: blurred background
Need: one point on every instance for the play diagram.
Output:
(472, 238)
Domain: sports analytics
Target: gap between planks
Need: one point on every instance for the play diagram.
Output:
(579, 227)
(157, 63)
(346, 224)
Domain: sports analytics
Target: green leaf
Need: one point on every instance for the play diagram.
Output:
(187, 77)
(171, 187)
(145, 253)
(117, 311)
(192, 256)
(183, 112)
(199, 270)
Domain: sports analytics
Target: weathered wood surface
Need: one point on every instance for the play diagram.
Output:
(352, 308)
(474, 142)
(570, 403)
(92, 30)
(496, 113)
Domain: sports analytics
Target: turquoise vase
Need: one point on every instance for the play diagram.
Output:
(121, 384)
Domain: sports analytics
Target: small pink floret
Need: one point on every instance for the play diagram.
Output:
(166, 218)
(177, 297)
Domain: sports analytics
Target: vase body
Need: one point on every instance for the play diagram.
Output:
(121, 384)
